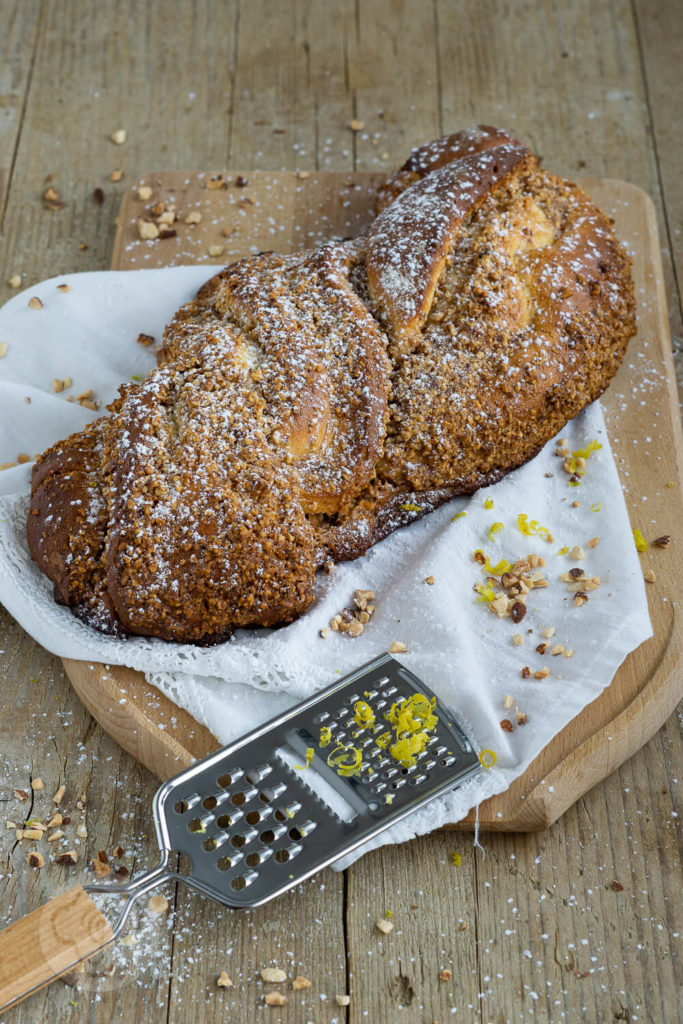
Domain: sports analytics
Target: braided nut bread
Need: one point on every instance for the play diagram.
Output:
(305, 406)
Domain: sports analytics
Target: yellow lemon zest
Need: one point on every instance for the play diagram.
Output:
(641, 543)
(456, 859)
(458, 515)
(325, 736)
(563, 551)
(310, 753)
(494, 570)
(413, 720)
(409, 507)
(488, 503)
(488, 758)
(389, 798)
(363, 714)
(494, 529)
(585, 453)
(596, 507)
(345, 760)
(383, 740)
(487, 594)
(531, 527)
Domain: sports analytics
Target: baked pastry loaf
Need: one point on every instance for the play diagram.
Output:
(305, 406)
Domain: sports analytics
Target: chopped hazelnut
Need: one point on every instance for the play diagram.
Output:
(119, 136)
(580, 599)
(144, 193)
(649, 576)
(429, 580)
(568, 653)
(157, 904)
(275, 999)
(116, 175)
(35, 303)
(35, 859)
(57, 834)
(101, 870)
(397, 647)
(521, 717)
(223, 981)
(37, 784)
(548, 633)
(542, 673)
(557, 649)
(68, 857)
(506, 725)
(148, 230)
(355, 628)
(508, 701)
(193, 217)
(343, 1000)
(145, 340)
(384, 926)
(662, 542)
(593, 542)
(300, 983)
(3, 349)
(15, 281)
(273, 974)
(356, 126)
(216, 250)
(526, 672)
(445, 975)
(59, 795)
(577, 553)
(518, 639)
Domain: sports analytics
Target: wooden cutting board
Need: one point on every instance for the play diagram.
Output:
(255, 211)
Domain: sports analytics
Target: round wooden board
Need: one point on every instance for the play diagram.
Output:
(649, 683)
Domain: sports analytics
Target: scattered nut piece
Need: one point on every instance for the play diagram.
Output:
(518, 611)
(384, 926)
(568, 653)
(355, 628)
(223, 981)
(216, 182)
(68, 857)
(144, 193)
(521, 717)
(15, 281)
(542, 673)
(116, 175)
(157, 904)
(35, 303)
(662, 542)
(526, 672)
(649, 576)
(194, 217)
(20, 794)
(508, 701)
(577, 553)
(273, 974)
(356, 126)
(580, 599)
(82, 832)
(119, 136)
(429, 580)
(542, 648)
(343, 1000)
(324, 633)
(35, 859)
(518, 639)
(57, 834)
(300, 983)
(397, 647)
(102, 870)
(55, 821)
(616, 886)
(557, 649)
(145, 340)
(548, 633)
(37, 784)
(216, 250)
(506, 725)
(118, 852)
(59, 795)
(3, 349)
(302, 175)
(593, 542)
(148, 230)
(33, 833)
(276, 999)
(241, 181)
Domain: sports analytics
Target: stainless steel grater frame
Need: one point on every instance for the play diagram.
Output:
(253, 825)
(260, 816)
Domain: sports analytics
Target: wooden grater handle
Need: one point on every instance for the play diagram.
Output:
(46, 943)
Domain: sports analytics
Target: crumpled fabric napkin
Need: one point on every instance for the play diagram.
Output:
(454, 642)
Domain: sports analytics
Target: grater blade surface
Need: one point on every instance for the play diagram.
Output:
(261, 815)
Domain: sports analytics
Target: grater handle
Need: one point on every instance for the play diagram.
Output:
(48, 942)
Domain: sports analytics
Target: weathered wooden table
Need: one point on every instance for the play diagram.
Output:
(579, 923)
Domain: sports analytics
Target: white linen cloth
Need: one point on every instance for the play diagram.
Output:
(455, 643)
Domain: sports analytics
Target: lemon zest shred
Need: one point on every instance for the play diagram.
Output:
(563, 551)
(488, 503)
(487, 758)
(310, 754)
(487, 594)
(641, 543)
(409, 507)
(596, 507)
(494, 529)
(325, 736)
(413, 721)
(363, 714)
(531, 527)
(346, 761)
(456, 859)
(494, 570)
(458, 515)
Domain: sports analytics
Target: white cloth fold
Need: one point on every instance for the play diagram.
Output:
(455, 643)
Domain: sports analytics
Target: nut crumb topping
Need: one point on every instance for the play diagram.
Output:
(300, 983)
(384, 926)
(275, 999)
(223, 981)
(273, 974)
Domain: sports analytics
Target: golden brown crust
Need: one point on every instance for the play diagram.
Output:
(306, 406)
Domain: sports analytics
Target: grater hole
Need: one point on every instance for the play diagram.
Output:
(238, 883)
(196, 825)
(266, 795)
(224, 780)
(253, 818)
(238, 840)
(181, 806)
(268, 836)
(282, 856)
(209, 844)
(295, 833)
(238, 799)
(225, 821)
(253, 860)
(209, 803)
(280, 815)
(224, 863)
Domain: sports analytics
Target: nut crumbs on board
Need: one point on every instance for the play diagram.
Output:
(157, 904)
(273, 974)
(36, 784)
(118, 137)
(397, 647)
(384, 926)
(649, 576)
(223, 981)
(300, 983)
(275, 999)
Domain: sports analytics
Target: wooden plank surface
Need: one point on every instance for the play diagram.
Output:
(549, 938)
(259, 210)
